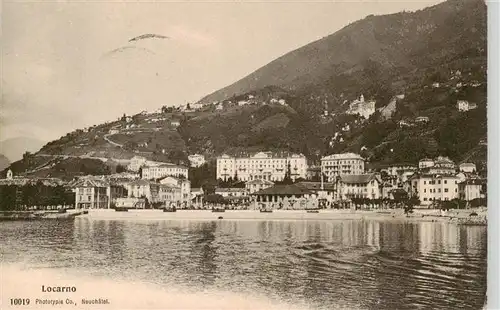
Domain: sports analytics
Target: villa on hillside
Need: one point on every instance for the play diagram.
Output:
(464, 105)
(467, 167)
(362, 107)
(196, 160)
(422, 119)
(163, 170)
(440, 165)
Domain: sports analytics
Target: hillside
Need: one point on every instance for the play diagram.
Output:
(377, 55)
(413, 68)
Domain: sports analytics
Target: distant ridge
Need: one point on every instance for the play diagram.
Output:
(390, 45)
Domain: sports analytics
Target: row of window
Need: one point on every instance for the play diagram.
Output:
(336, 162)
(438, 182)
(343, 167)
(249, 161)
(433, 190)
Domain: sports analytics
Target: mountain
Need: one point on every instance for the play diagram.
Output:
(414, 67)
(377, 54)
(4, 162)
(14, 148)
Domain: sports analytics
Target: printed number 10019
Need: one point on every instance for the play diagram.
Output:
(19, 301)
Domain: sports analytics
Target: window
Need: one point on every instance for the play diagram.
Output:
(445, 190)
(445, 181)
(425, 199)
(439, 190)
(439, 181)
(425, 182)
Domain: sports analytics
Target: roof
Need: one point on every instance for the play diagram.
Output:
(385, 166)
(342, 156)
(259, 181)
(432, 176)
(167, 165)
(357, 178)
(140, 182)
(315, 186)
(175, 178)
(468, 164)
(292, 189)
(426, 159)
(88, 182)
(234, 190)
(171, 186)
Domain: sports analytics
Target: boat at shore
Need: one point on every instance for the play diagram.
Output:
(121, 209)
(312, 211)
(218, 210)
(266, 211)
(169, 209)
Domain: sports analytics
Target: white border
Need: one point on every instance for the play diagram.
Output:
(493, 298)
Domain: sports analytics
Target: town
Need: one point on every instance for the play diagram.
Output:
(260, 181)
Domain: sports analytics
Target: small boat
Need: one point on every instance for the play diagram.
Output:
(121, 209)
(266, 211)
(312, 211)
(218, 210)
(169, 209)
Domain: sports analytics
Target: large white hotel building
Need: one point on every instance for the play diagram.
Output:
(342, 164)
(263, 165)
(163, 170)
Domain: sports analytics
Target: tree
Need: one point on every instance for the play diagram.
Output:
(410, 204)
(120, 168)
(209, 187)
(288, 175)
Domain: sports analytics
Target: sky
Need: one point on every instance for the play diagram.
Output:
(59, 72)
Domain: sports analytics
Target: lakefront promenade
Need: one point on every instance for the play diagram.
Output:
(465, 216)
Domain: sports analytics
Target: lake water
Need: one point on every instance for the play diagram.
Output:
(309, 264)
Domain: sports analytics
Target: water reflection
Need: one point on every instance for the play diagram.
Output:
(350, 264)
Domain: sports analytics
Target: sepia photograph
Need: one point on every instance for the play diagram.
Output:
(245, 154)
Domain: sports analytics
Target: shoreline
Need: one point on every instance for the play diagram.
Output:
(38, 215)
(461, 217)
